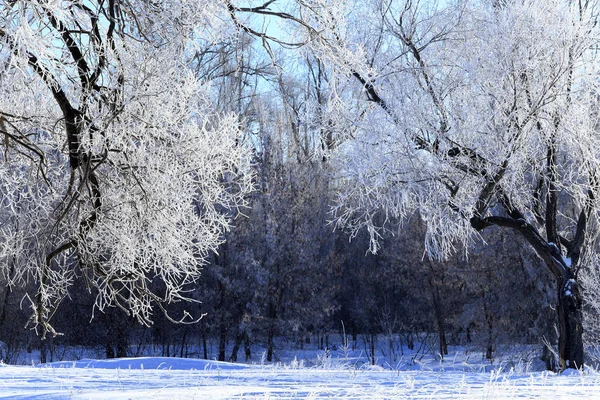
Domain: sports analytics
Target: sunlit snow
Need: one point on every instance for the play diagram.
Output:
(173, 378)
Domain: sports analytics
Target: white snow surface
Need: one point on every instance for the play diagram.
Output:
(174, 378)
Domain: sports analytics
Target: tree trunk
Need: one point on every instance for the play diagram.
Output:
(548, 357)
(121, 350)
(222, 340)
(270, 343)
(372, 349)
(443, 341)
(7, 292)
(43, 352)
(436, 280)
(183, 344)
(204, 346)
(570, 326)
(110, 352)
(236, 347)
(569, 307)
(122, 339)
(489, 321)
(439, 317)
(272, 314)
(247, 349)
(222, 321)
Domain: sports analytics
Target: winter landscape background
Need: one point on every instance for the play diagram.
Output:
(299, 198)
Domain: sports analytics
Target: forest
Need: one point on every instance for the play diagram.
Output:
(195, 178)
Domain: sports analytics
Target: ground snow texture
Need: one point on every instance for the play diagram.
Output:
(172, 378)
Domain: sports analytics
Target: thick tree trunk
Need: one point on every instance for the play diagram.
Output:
(570, 325)
(569, 300)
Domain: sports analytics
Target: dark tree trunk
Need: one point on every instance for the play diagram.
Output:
(270, 343)
(236, 347)
(247, 350)
(122, 339)
(110, 353)
(272, 314)
(222, 340)
(439, 314)
(7, 292)
(242, 336)
(43, 352)
(183, 350)
(443, 340)
(489, 321)
(410, 341)
(372, 349)
(570, 326)
(549, 358)
(121, 350)
(222, 322)
(569, 300)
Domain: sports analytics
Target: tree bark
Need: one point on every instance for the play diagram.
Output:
(222, 321)
(569, 300)
(271, 332)
(204, 346)
(236, 347)
(372, 344)
(439, 314)
(440, 321)
(247, 349)
(570, 326)
(222, 339)
(489, 320)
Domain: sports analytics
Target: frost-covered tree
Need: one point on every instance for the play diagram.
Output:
(480, 114)
(116, 168)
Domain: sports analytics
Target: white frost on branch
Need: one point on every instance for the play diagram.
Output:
(171, 170)
(470, 94)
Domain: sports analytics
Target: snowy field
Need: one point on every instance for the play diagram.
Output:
(329, 377)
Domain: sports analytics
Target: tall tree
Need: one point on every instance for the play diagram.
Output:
(485, 115)
(116, 167)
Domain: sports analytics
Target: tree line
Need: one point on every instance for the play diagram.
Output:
(159, 154)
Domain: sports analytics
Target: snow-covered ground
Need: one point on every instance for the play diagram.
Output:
(327, 377)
